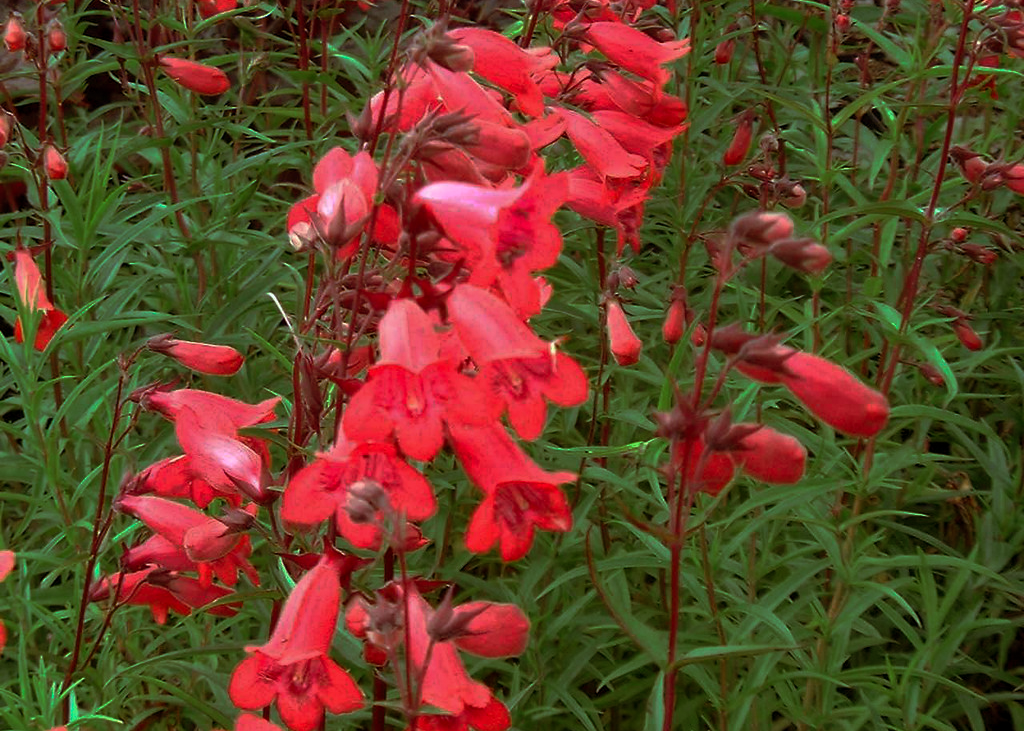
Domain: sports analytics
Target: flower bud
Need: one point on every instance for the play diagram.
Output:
(966, 334)
(970, 163)
(771, 456)
(804, 255)
(724, 51)
(931, 373)
(54, 163)
(625, 345)
(761, 228)
(14, 33)
(56, 38)
(214, 360)
(675, 321)
(959, 234)
(6, 122)
(194, 76)
(979, 253)
(741, 139)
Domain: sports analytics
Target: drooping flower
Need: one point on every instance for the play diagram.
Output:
(636, 51)
(213, 547)
(214, 360)
(515, 365)
(163, 591)
(32, 294)
(741, 138)
(412, 391)
(197, 77)
(363, 485)
(293, 667)
(503, 63)
(519, 496)
(771, 456)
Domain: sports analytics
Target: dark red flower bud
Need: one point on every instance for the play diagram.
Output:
(14, 33)
(959, 234)
(805, 255)
(54, 163)
(970, 163)
(5, 127)
(842, 23)
(966, 334)
(724, 51)
(931, 373)
(741, 139)
(979, 253)
(214, 360)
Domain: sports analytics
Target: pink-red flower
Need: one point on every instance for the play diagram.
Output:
(636, 51)
(293, 667)
(163, 591)
(6, 566)
(214, 360)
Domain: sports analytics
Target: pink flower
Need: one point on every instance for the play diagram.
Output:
(214, 360)
(197, 77)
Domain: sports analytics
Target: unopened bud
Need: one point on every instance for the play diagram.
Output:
(741, 139)
(5, 127)
(56, 38)
(675, 321)
(791, 194)
(804, 255)
(624, 343)
(959, 234)
(842, 23)
(970, 163)
(724, 51)
(14, 33)
(979, 253)
(966, 334)
(761, 228)
(365, 499)
(931, 373)
(54, 163)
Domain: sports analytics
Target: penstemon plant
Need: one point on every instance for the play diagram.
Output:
(443, 429)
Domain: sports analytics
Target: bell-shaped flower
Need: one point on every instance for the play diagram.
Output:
(412, 392)
(366, 486)
(519, 496)
(32, 296)
(293, 667)
(516, 366)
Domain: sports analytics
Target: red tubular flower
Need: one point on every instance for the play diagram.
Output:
(519, 495)
(505, 64)
(212, 546)
(675, 321)
(163, 591)
(724, 51)
(636, 51)
(600, 149)
(293, 667)
(518, 368)
(54, 164)
(502, 235)
(174, 477)
(326, 487)
(829, 391)
(716, 470)
(32, 294)
(412, 391)
(625, 345)
(194, 76)
(480, 628)
(210, 8)
(214, 360)
(219, 456)
(338, 211)
(771, 456)
(170, 404)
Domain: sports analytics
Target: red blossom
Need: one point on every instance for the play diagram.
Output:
(163, 591)
(214, 360)
(636, 51)
(197, 77)
(6, 566)
(210, 8)
(516, 366)
(331, 484)
(505, 64)
(519, 496)
(772, 457)
(293, 667)
(54, 164)
(740, 145)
